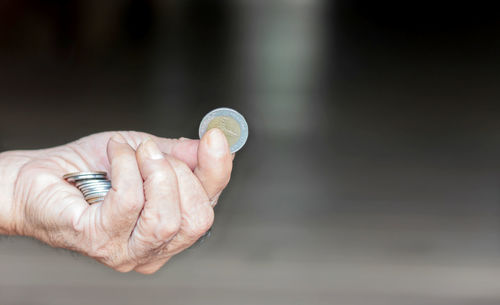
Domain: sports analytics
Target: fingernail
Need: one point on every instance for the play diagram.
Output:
(217, 140)
(118, 138)
(152, 150)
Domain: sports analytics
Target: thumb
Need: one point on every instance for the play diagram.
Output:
(215, 162)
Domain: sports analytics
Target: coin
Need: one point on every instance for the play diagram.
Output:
(105, 183)
(91, 182)
(96, 200)
(93, 185)
(95, 191)
(95, 195)
(230, 122)
(73, 177)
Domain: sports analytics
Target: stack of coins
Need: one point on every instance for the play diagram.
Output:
(93, 185)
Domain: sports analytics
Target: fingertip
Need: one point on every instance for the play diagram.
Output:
(116, 142)
(150, 150)
(118, 138)
(216, 142)
(213, 151)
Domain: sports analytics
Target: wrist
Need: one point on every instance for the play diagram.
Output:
(11, 163)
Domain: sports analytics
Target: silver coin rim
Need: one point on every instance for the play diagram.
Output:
(95, 191)
(224, 111)
(96, 187)
(84, 186)
(85, 177)
(95, 200)
(91, 182)
(95, 195)
(70, 175)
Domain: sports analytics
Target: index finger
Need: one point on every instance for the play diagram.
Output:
(125, 200)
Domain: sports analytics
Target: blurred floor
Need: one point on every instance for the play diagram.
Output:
(371, 175)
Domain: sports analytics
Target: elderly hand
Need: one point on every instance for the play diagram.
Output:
(161, 201)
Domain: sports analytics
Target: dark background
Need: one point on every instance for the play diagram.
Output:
(370, 175)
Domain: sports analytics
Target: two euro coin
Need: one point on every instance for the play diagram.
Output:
(93, 185)
(230, 122)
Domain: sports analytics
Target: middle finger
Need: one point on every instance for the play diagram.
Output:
(161, 217)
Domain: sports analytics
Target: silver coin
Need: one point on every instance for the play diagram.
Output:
(95, 200)
(89, 189)
(83, 173)
(96, 195)
(91, 181)
(86, 183)
(95, 191)
(86, 177)
(93, 185)
(230, 122)
(83, 176)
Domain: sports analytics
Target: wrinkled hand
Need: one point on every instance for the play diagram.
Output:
(161, 201)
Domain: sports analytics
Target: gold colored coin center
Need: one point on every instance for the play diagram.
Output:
(229, 127)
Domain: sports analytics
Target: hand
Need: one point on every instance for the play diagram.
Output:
(161, 201)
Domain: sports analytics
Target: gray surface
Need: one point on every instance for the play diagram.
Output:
(371, 175)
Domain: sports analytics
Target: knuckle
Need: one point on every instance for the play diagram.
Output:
(159, 226)
(166, 230)
(151, 268)
(197, 226)
(130, 200)
(131, 205)
(148, 270)
(207, 221)
(224, 180)
(221, 176)
(124, 268)
(112, 258)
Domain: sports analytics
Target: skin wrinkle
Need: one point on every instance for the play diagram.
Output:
(137, 221)
(99, 249)
(147, 185)
(166, 243)
(70, 210)
(17, 204)
(45, 198)
(58, 215)
(163, 253)
(81, 156)
(92, 229)
(96, 150)
(183, 171)
(73, 167)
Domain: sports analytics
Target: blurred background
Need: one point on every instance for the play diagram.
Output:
(371, 174)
